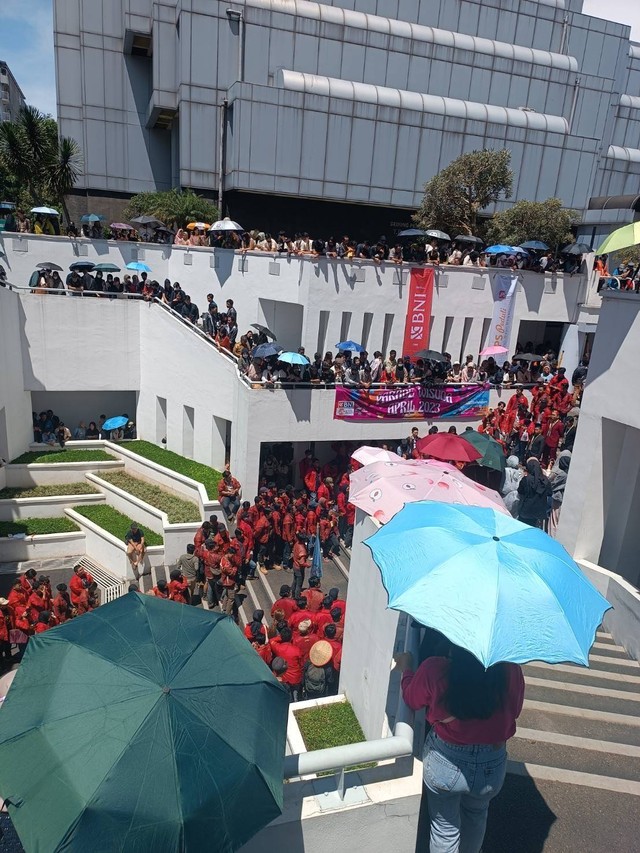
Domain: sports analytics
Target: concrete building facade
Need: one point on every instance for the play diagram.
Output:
(11, 96)
(289, 104)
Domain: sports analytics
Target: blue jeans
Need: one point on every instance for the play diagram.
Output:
(461, 781)
(230, 505)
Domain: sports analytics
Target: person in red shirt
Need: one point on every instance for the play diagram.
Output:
(202, 534)
(311, 519)
(300, 615)
(17, 595)
(334, 594)
(160, 590)
(325, 489)
(61, 604)
(243, 513)
(28, 581)
(305, 637)
(229, 495)
(560, 381)
(329, 633)
(305, 464)
(300, 564)
(323, 617)
(36, 603)
(229, 571)
(338, 621)
(222, 539)
(516, 400)
(276, 544)
(552, 436)
(313, 478)
(288, 537)
(473, 713)
(79, 582)
(45, 586)
(45, 621)
(6, 625)
(262, 537)
(178, 587)
(314, 595)
(255, 627)
(263, 649)
(284, 648)
(285, 603)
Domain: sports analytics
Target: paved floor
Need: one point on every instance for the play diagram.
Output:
(59, 571)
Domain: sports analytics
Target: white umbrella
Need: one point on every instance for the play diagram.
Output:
(367, 454)
(226, 224)
(47, 211)
(5, 684)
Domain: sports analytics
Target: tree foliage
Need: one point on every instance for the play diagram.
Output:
(454, 198)
(545, 220)
(36, 166)
(173, 207)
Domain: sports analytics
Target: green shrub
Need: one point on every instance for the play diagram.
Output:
(48, 457)
(115, 522)
(49, 491)
(179, 510)
(209, 477)
(330, 725)
(37, 526)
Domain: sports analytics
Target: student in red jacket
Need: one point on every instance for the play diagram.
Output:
(284, 648)
(285, 603)
(314, 595)
(552, 435)
(300, 615)
(305, 637)
(178, 587)
(80, 581)
(61, 604)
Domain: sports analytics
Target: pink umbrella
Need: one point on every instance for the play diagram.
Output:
(381, 489)
(365, 455)
(494, 351)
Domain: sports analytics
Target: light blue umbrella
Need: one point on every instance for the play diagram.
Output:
(115, 423)
(504, 250)
(316, 559)
(293, 358)
(493, 585)
(91, 217)
(138, 266)
(349, 346)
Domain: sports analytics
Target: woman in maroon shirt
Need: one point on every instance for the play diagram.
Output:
(472, 712)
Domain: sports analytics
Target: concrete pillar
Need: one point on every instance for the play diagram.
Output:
(620, 523)
(571, 348)
(218, 442)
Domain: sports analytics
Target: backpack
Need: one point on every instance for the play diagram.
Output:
(315, 681)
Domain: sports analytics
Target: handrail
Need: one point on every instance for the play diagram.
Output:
(400, 744)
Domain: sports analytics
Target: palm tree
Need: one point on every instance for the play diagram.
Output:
(65, 168)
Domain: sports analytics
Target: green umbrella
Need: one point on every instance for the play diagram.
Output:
(107, 267)
(621, 238)
(145, 725)
(492, 452)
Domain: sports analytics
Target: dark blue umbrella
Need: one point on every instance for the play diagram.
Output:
(536, 245)
(349, 346)
(266, 350)
(412, 232)
(115, 423)
(82, 266)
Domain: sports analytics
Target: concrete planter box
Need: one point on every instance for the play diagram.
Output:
(45, 547)
(16, 508)
(131, 506)
(110, 552)
(176, 539)
(25, 476)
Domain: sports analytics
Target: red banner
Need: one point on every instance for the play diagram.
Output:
(418, 323)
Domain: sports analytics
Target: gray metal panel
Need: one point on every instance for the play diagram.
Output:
(305, 54)
(353, 56)
(289, 143)
(398, 70)
(329, 57)
(314, 140)
(361, 153)
(338, 144)
(406, 158)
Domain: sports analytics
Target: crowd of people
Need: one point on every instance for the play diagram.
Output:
(32, 607)
(49, 429)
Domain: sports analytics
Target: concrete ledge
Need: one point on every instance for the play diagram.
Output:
(15, 508)
(623, 620)
(131, 506)
(45, 547)
(111, 552)
(50, 474)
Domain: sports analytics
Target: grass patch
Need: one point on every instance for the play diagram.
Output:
(48, 491)
(179, 510)
(115, 522)
(48, 457)
(37, 526)
(209, 477)
(331, 725)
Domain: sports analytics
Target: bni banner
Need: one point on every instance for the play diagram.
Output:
(418, 322)
(504, 292)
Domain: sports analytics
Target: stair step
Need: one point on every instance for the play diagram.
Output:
(604, 637)
(609, 650)
(613, 664)
(572, 755)
(581, 675)
(574, 777)
(595, 699)
(545, 718)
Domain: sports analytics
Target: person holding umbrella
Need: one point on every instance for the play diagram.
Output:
(473, 712)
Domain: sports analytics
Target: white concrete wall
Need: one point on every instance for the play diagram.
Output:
(370, 636)
(598, 522)
(46, 547)
(36, 474)
(15, 404)
(12, 510)
(262, 288)
(146, 515)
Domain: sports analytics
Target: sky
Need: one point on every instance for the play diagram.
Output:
(26, 42)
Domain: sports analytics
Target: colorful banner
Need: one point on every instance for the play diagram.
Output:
(504, 290)
(413, 402)
(418, 322)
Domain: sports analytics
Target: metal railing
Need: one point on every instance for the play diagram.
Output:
(111, 586)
